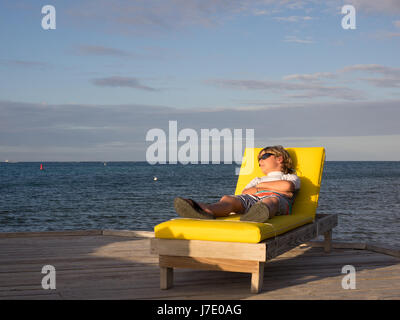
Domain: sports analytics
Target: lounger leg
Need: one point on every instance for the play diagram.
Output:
(166, 277)
(257, 278)
(328, 241)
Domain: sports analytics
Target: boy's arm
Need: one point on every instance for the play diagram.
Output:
(281, 186)
(251, 186)
(251, 190)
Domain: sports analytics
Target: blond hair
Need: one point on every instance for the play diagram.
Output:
(278, 151)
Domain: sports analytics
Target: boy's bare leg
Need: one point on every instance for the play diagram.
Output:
(262, 210)
(223, 207)
(273, 206)
(228, 204)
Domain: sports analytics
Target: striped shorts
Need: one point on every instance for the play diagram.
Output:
(285, 204)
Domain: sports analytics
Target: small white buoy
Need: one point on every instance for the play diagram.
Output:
(155, 178)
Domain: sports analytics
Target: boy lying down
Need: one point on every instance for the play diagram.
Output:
(262, 199)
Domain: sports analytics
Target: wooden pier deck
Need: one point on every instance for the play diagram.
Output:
(118, 265)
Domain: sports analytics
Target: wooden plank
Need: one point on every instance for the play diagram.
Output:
(326, 223)
(50, 233)
(166, 277)
(339, 245)
(328, 241)
(300, 235)
(209, 249)
(128, 233)
(257, 278)
(232, 265)
(382, 248)
(289, 240)
(375, 247)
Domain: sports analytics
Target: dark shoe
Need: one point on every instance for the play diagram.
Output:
(188, 208)
(258, 212)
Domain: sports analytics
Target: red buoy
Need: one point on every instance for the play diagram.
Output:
(41, 166)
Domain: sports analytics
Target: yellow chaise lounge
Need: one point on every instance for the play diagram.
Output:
(229, 244)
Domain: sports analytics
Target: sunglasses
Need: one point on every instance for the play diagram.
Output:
(265, 156)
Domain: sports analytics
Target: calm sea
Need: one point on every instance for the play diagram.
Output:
(124, 195)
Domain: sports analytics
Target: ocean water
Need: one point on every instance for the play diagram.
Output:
(124, 195)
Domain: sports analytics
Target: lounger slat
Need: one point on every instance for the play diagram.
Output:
(199, 248)
(231, 265)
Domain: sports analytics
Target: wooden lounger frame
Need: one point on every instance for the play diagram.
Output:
(236, 256)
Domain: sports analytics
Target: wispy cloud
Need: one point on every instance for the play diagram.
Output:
(294, 18)
(303, 90)
(100, 51)
(117, 81)
(391, 7)
(152, 53)
(389, 76)
(317, 76)
(295, 39)
(159, 16)
(372, 68)
(383, 82)
(24, 63)
(259, 12)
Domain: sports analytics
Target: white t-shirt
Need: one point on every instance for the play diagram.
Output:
(276, 176)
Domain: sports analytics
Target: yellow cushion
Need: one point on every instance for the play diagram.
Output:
(228, 229)
(308, 163)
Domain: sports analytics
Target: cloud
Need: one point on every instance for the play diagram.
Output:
(146, 53)
(100, 51)
(389, 76)
(30, 131)
(312, 85)
(294, 18)
(117, 81)
(308, 90)
(24, 63)
(254, 84)
(152, 16)
(372, 68)
(258, 12)
(384, 82)
(392, 34)
(332, 91)
(390, 7)
(156, 15)
(295, 39)
(310, 76)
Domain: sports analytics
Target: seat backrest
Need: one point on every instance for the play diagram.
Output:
(308, 163)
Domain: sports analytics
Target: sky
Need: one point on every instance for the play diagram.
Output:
(92, 88)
